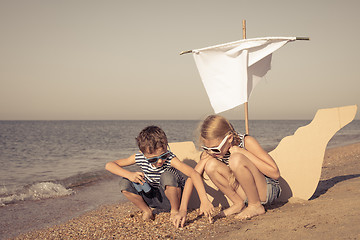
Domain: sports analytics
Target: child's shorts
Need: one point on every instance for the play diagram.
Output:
(273, 190)
(156, 197)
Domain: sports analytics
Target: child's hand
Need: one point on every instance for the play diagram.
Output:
(137, 177)
(179, 219)
(208, 209)
(236, 149)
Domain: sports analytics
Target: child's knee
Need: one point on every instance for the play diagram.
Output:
(168, 179)
(238, 161)
(126, 186)
(211, 166)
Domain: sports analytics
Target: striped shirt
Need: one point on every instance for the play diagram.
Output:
(226, 157)
(152, 174)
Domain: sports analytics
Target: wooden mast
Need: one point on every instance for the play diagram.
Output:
(246, 109)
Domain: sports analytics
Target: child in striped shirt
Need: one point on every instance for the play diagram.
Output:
(159, 184)
(238, 166)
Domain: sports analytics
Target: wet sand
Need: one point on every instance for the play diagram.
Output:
(25, 216)
(332, 213)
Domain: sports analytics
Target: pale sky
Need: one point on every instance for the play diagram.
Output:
(113, 60)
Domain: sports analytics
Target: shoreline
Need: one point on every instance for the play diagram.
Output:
(324, 216)
(26, 216)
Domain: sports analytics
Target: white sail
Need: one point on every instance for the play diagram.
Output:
(230, 71)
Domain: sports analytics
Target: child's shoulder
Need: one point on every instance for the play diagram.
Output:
(139, 154)
(249, 140)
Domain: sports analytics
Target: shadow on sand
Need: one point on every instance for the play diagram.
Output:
(325, 185)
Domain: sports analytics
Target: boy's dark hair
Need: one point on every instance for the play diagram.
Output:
(150, 139)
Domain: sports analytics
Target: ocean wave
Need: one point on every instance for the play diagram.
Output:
(35, 191)
(49, 189)
(56, 188)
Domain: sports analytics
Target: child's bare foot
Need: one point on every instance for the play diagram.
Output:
(236, 208)
(251, 211)
(148, 215)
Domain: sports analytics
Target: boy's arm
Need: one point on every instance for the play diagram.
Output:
(200, 166)
(206, 205)
(116, 167)
(180, 219)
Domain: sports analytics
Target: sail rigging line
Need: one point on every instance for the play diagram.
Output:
(239, 41)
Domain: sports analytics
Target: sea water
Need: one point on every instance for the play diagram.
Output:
(46, 159)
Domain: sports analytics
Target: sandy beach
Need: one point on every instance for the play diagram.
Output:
(332, 213)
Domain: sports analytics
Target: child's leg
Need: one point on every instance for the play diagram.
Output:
(253, 184)
(138, 201)
(174, 196)
(171, 185)
(131, 194)
(220, 174)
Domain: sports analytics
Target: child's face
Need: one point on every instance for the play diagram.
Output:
(160, 155)
(220, 146)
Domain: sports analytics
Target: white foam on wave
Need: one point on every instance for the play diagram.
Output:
(36, 191)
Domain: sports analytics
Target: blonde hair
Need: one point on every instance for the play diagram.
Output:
(217, 127)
